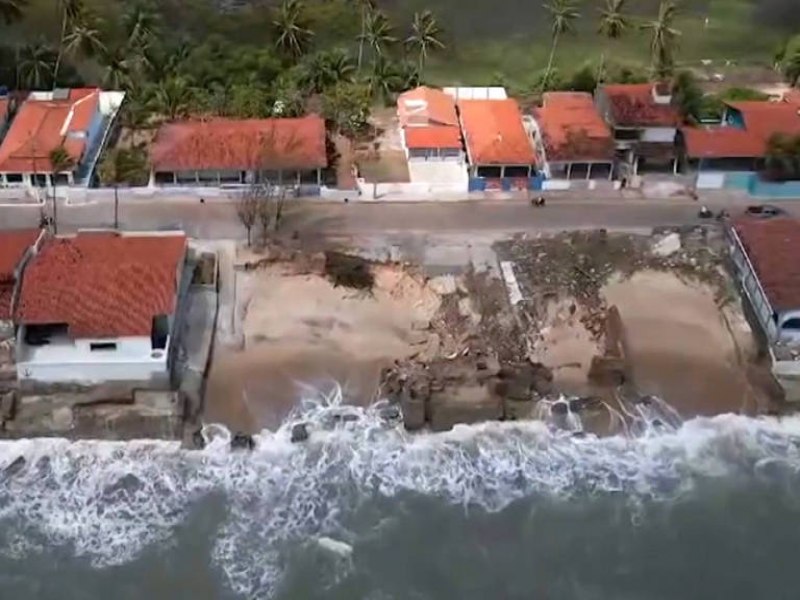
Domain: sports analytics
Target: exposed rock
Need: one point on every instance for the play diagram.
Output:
(242, 441)
(14, 467)
(299, 433)
(391, 413)
(444, 285)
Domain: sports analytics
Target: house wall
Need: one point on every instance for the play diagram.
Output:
(215, 178)
(664, 135)
(68, 360)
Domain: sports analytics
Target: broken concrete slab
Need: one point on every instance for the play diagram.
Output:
(463, 404)
(444, 285)
(667, 245)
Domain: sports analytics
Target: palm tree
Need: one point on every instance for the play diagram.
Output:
(84, 38)
(378, 33)
(71, 12)
(173, 98)
(563, 13)
(663, 39)
(12, 10)
(116, 68)
(291, 27)
(384, 80)
(60, 161)
(140, 24)
(327, 68)
(35, 64)
(425, 32)
(366, 7)
(613, 23)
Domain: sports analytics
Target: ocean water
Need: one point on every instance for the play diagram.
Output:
(705, 509)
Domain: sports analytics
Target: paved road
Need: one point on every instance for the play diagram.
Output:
(219, 220)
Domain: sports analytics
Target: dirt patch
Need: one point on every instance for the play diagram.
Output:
(681, 345)
(299, 329)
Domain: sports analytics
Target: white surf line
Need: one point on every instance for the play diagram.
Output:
(514, 293)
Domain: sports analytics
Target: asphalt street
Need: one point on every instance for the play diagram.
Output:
(218, 220)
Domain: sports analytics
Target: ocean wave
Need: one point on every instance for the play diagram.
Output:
(108, 501)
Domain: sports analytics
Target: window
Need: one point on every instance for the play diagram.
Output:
(102, 346)
(793, 324)
(166, 177)
(159, 333)
(13, 177)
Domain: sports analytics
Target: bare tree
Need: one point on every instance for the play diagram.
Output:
(247, 210)
(275, 152)
(265, 210)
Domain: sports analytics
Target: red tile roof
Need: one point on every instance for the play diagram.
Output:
(572, 129)
(40, 126)
(433, 137)
(633, 105)
(102, 284)
(426, 106)
(761, 121)
(494, 133)
(13, 245)
(240, 144)
(773, 246)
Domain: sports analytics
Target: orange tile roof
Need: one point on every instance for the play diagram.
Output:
(13, 245)
(40, 126)
(433, 137)
(633, 105)
(572, 129)
(102, 284)
(761, 121)
(494, 133)
(773, 245)
(240, 144)
(425, 105)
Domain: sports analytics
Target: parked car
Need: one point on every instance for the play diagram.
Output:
(764, 211)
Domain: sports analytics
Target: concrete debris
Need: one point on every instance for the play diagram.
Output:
(668, 245)
(443, 285)
(299, 433)
(242, 441)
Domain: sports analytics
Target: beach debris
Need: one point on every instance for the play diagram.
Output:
(341, 549)
(299, 432)
(242, 441)
(349, 271)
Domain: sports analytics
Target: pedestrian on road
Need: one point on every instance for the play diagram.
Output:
(202, 200)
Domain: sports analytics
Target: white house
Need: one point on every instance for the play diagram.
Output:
(644, 122)
(79, 120)
(100, 306)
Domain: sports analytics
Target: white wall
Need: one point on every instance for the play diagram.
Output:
(710, 180)
(67, 361)
(658, 134)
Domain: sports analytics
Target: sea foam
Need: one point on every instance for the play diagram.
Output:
(108, 501)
